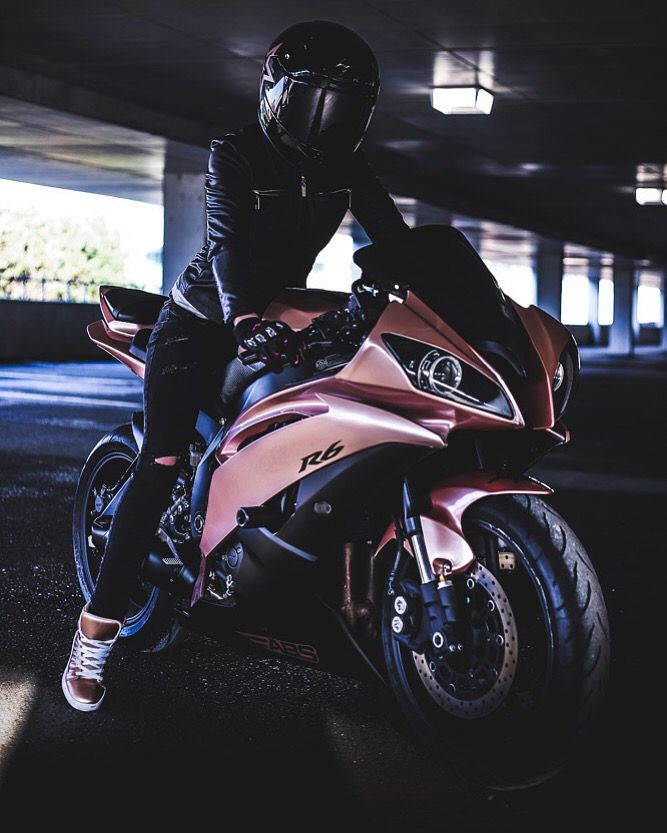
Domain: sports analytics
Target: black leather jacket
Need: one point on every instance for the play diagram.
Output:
(266, 223)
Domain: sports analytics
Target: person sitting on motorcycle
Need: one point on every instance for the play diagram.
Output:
(276, 192)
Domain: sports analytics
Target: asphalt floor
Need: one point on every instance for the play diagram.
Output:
(208, 734)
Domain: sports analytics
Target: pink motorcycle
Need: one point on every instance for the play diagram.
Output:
(367, 512)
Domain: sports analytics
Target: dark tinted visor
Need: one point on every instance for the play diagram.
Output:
(329, 120)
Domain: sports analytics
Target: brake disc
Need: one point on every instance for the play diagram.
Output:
(474, 686)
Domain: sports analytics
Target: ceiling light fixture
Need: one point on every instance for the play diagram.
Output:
(650, 196)
(454, 101)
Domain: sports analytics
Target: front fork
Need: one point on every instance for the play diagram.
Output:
(437, 624)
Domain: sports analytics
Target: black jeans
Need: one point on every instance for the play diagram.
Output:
(185, 359)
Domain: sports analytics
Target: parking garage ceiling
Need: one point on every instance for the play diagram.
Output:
(579, 107)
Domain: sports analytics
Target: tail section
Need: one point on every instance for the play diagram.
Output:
(128, 316)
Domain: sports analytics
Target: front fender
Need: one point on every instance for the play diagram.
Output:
(448, 500)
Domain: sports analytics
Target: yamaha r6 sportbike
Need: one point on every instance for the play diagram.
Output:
(367, 512)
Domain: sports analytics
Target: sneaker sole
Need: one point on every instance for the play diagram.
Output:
(77, 704)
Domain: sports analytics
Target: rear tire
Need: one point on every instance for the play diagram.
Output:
(562, 663)
(149, 625)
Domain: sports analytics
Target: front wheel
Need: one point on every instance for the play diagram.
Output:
(529, 676)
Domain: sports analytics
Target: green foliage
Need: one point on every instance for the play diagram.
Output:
(61, 254)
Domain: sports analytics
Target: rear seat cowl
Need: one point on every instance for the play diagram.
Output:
(133, 306)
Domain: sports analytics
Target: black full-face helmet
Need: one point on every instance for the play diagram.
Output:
(318, 90)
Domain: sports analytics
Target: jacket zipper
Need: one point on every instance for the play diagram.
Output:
(304, 191)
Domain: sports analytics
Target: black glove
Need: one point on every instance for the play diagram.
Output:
(275, 343)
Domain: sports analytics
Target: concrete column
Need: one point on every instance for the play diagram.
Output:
(621, 337)
(594, 300)
(549, 274)
(184, 223)
(663, 340)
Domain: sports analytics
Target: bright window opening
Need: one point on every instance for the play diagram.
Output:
(60, 245)
(515, 280)
(606, 302)
(649, 299)
(575, 300)
(649, 305)
(334, 268)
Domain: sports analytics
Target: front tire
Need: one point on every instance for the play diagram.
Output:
(149, 625)
(550, 681)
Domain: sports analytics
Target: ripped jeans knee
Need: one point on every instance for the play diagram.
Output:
(157, 468)
(168, 460)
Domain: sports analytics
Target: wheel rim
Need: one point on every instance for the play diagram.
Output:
(101, 486)
(531, 657)
(475, 684)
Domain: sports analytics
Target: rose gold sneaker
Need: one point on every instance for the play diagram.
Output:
(82, 677)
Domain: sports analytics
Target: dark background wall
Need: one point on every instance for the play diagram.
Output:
(47, 330)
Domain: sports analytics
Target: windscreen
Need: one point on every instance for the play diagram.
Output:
(444, 270)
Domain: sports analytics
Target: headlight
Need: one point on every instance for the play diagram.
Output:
(435, 371)
(565, 379)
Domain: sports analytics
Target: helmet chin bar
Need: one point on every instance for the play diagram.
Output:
(296, 153)
(281, 142)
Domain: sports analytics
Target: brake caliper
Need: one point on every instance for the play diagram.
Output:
(426, 614)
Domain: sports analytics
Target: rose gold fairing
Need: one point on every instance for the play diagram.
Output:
(284, 407)
(118, 330)
(99, 333)
(115, 337)
(276, 459)
(327, 410)
(549, 338)
(369, 402)
(374, 374)
(298, 308)
(449, 499)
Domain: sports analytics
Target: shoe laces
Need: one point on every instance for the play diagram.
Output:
(90, 656)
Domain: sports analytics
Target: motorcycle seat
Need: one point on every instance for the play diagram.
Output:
(133, 306)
